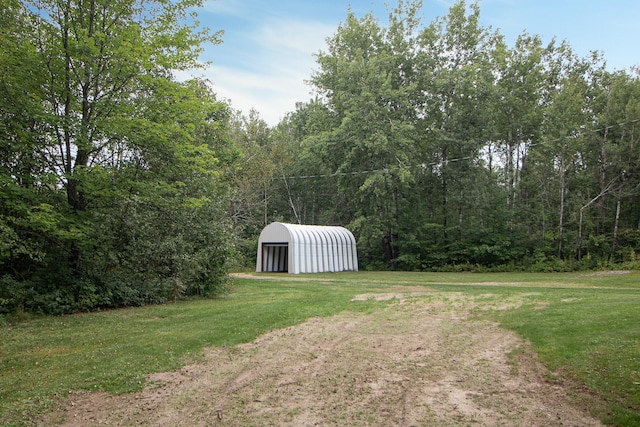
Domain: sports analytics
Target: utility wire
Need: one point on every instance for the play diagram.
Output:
(431, 164)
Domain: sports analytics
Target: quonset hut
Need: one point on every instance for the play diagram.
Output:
(295, 249)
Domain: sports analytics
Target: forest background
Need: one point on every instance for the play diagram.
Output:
(438, 145)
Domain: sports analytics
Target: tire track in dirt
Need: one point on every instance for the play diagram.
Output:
(418, 362)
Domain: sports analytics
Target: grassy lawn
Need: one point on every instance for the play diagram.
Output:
(586, 325)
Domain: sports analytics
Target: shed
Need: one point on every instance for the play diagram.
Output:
(295, 249)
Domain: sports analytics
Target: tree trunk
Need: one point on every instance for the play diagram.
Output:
(265, 206)
(561, 212)
(603, 177)
(75, 196)
(616, 229)
(291, 204)
(580, 234)
(445, 197)
(510, 180)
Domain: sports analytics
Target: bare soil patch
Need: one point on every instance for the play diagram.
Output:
(420, 361)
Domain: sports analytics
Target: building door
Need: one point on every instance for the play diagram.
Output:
(275, 257)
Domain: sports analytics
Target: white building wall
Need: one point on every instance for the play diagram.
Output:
(311, 248)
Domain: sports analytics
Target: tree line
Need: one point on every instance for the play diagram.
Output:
(439, 146)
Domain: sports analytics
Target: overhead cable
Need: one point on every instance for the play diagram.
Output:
(432, 164)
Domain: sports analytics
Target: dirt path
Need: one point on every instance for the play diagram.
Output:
(419, 362)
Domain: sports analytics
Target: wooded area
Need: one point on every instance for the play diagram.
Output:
(439, 146)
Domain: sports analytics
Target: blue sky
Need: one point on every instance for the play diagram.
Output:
(268, 45)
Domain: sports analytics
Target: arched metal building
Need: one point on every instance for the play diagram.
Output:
(295, 249)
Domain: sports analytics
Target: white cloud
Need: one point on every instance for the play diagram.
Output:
(293, 36)
(218, 7)
(281, 59)
(267, 53)
(272, 95)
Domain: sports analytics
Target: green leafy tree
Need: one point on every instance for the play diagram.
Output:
(310, 183)
(519, 94)
(615, 100)
(368, 78)
(458, 87)
(251, 179)
(109, 165)
(557, 166)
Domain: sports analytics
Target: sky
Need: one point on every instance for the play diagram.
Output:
(268, 46)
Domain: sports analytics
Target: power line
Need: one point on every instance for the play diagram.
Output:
(426, 165)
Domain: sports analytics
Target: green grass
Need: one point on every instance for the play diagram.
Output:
(589, 329)
(592, 335)
(112, 351)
